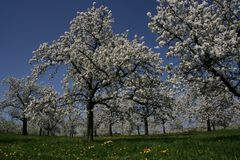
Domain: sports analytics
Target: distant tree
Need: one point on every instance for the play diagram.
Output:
(166, 111)
(106, 115)
(48, 110)
(205, 36)
(141, 92)
(8, 126)
(72, 120)
(98, 62)
(216, 110)
(19, 94)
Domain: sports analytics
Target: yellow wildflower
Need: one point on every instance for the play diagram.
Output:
(108, 142)
(146, 150)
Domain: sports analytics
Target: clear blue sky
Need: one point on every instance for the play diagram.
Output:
(25, 24)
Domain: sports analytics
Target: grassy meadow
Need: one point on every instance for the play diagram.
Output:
(219, 145)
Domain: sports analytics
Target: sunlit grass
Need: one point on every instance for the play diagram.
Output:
(185, 146)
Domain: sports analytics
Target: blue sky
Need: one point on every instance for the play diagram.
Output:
(25, 24)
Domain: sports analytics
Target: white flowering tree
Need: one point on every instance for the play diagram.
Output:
(206, 104)
(47, 111)
(236, 117)
(72, 121)
(205, 36)
(145, 92)
(99, 119)
(215, 107)
(106, 116)
(19, 94)
(165, 111)
(9, 126)
(127, 120)
(97, 61)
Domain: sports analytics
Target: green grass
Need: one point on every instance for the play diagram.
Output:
(220, 145)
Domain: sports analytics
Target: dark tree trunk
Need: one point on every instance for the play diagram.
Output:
(145, 125)
(208, 125)
(110, 128)
(95, 132)
(122, 128)
(40, 131)
(24, 126)
(138, 130)
(213, 126)
(90, 122)
(48, 132)
(71, 131)
(163, 127)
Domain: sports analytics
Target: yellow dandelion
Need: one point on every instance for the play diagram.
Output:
(146, 150)
(108, 142)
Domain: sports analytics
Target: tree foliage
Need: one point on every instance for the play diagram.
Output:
(205, 36)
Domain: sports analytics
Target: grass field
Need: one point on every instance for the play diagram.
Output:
(224, 144)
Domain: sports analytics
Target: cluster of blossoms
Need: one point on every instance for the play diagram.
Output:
(205, 36)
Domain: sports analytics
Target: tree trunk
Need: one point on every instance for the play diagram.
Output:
(208, 125)
(130, 130)
(122, 127)
(138, 130)
(90, 122)
(24, 126)
(110, 128)
(95, 132)
(48, 132)
(163, 127)
(213, 126)
(71, 130)
(145, 125)
(48, 129)
(40, 131)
